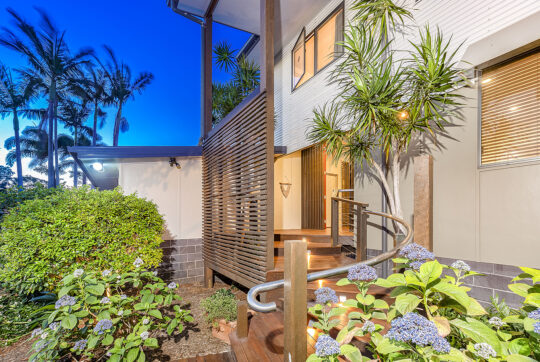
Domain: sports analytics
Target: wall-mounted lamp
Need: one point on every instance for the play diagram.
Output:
(285, 187)
(173, 163)
(98, 166)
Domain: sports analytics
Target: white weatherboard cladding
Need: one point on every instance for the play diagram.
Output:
(466, 21)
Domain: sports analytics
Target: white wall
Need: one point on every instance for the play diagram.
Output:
(177, 193)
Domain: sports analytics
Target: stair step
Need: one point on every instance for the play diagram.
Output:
(316, 262)
(316, 248)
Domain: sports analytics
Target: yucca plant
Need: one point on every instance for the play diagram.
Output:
(387, 101)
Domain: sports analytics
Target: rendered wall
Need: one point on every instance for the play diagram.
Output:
(177, 193)
(288, 210)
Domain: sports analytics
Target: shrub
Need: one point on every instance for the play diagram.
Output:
(220, 305)
(432, 318)
(13, 196)
(109, 316)
(75, 228)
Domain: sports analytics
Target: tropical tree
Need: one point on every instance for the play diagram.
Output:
(51, 67)
(15, 97)
(74, 115)
(122, 88)
(387, 102)
(245, 78)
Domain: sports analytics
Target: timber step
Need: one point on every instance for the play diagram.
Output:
(309, 235)
(316, 263)
(316, 248)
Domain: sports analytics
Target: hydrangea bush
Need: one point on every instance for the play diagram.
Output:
(42, 238)
(432, 318)
(109, 316)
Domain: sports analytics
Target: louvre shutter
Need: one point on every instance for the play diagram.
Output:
(510, 111)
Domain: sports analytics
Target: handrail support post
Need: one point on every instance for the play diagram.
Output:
(361, 233)
(335, 222)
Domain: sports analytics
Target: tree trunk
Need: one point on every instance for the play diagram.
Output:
(84, 178)
(75, 169)
(94, 135)
(17, 148)
(56, 166)
(51, 181)
(116, 131)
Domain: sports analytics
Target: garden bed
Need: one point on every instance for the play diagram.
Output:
(195, 340)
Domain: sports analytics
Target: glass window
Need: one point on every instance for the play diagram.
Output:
(510, 118)
(299, 62)
(328, 35)
(310, 60)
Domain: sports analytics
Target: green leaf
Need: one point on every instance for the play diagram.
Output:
(132, 354)
(406, 303)
(351, 352)
(394, 280)
(337, 311)
(95, 289)
(520, 346)
(533, 299)
(313, 358)
(65, 290)
(386, 346)
(519, 288)
(343, 282)
(380, 304)
(479, 332)
(92, 341)
(69, 322)
(454, 292)
(519, 358)
(430, 271)
(475, 308)
(151, 342)
(155, 313)
(108, 340)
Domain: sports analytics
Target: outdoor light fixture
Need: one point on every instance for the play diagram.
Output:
(173, 163)
(403, 115)
(98, 166)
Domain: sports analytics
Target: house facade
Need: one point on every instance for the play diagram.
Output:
(484, 205)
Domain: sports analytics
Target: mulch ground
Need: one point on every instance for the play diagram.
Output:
(195, 340)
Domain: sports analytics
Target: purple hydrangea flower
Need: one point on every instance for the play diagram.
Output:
(123, 296)
(80, 345)
(368, 327)
(65, 300)
(37, 332)
(102, 326)
(145, 335)
(461, 265)
(362, 273)
(415, 265)
(326, 346)
(416, 252)
(172, 285)
(78, 272)
(41, 344)
(535, 314)
(416, 329)
(105, 300)
(145, 321)
(537, 327)
(325, 295)
(484, 350)
(106, 273)
(138, 263)
(54, 326)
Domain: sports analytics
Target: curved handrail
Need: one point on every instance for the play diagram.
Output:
(265, 287)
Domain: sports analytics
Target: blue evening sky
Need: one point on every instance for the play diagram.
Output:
(148, 36)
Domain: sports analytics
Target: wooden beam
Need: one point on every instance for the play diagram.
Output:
(206, 86)
(242, 319)
(423, 201)
(295, 291)
(210, 9)
(208, 277)
(267, 84)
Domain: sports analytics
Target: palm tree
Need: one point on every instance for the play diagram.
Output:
(34, 145)
(15, 96)
(74, 115)
(122, 88)
(51, 67)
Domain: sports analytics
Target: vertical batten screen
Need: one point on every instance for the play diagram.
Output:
(510, 111)
(235, 193)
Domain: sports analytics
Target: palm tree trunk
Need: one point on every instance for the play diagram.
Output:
(75, 169)
(94, 135)
(17, 148)
(51, 181)
(116, 131)
(84, 178)
(56, 166)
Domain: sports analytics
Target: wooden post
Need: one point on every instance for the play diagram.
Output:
(295, 289)
(267, 84)
(335, 222)
(361, 233)
(208, 277)
(242, 319)
(423, 201)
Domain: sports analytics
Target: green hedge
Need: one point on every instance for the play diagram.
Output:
(13, 196)
(42, 239)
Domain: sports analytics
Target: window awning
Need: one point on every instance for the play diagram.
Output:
(290, 16)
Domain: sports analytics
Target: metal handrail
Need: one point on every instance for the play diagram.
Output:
(266, 287)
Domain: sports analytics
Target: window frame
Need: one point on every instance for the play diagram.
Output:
(479, 76)
(313, 33)
(302, 36)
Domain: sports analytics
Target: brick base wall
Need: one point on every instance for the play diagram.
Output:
(182, 261)
(494, 281)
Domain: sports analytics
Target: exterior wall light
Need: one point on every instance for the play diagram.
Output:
(173, 163)
(98, 166)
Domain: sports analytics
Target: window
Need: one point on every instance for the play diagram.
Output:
(314, 52)
(510, 111)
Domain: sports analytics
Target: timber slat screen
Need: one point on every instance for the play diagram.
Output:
(313, 188)
(235, 195)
